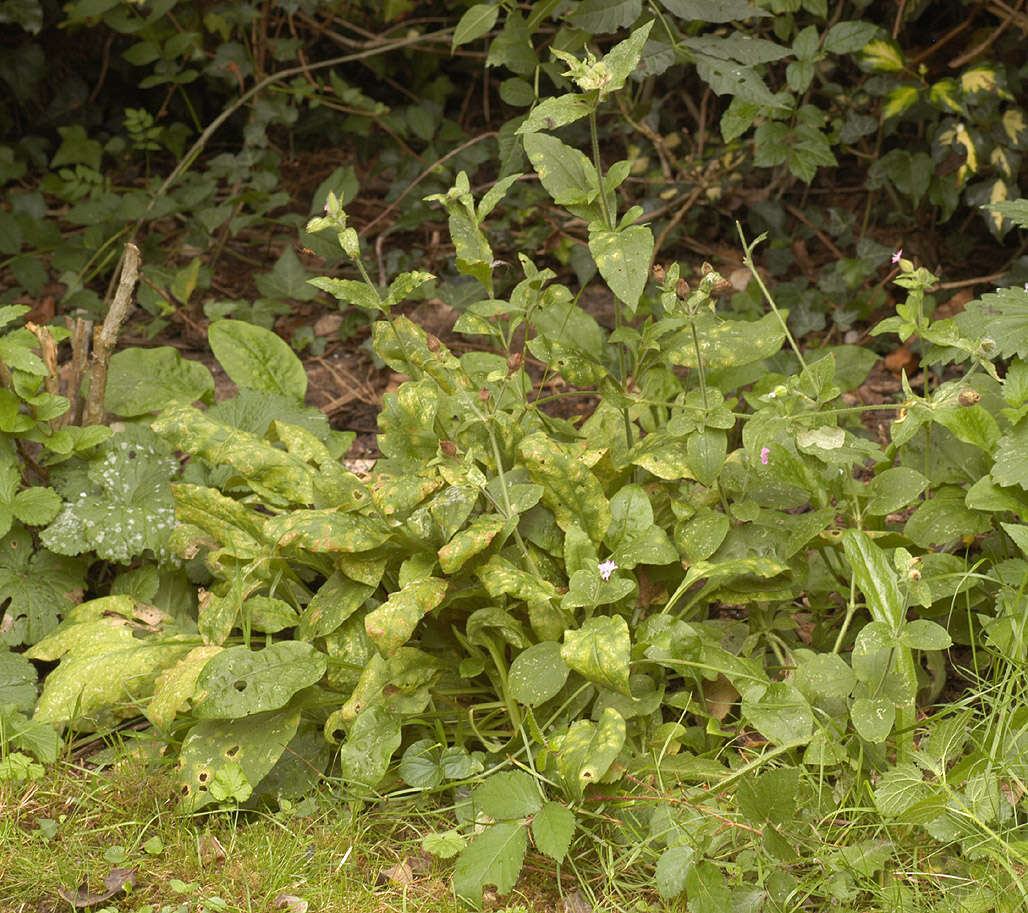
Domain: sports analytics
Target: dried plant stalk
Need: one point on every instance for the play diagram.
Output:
(105, 337)
(77, 369)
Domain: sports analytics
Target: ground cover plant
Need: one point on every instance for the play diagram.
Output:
(712, 641)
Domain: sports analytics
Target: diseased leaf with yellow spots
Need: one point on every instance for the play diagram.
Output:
(623, 259)
(570, 490)
(326, 531)
(468, 543)
(391, 625)
(586, 753)
(899, 100)
(600, 651)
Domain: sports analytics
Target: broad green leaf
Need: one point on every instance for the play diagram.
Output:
(1005, 314)
(352, 291)
(769, 796)
(1011, 468)
(373, 737)
(287, 280)
(922, 634)
(146, 380)
(824, 675)
(701, 535)
(552, 829)
(407, 348)
(894, 489)
(469, 542)
(600, 17)
(510, 794)
(873, 718)
(491, 625)
(105, 668)
(537, 674)
(882, 55)
(494, 857)
(18, 681)
(623, 257)
(501, 578)
(944, 519)
(600, 651)
(476, 22)
(444, 845)
(257, 358)
(706, 889)
(875, 578)
(240, 682)
(588, 749)
(672, 869)
(706, 450)
(900, 788)
(588, 588)
(229, 522)
(555, 112)
(391, 625)
(632, 537)
(255, 743)
(34, 506)
(849, 37)
(779, 712)
(566, 173)
(270, 472)
(570, 490)
(622, 59)
(714, 10)
(727, 343)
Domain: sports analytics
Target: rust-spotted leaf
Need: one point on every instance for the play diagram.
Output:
(468, 543)
(391, 625)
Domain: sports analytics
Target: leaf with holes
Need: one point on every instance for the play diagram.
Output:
(586, 752)
(255, 743)
(240, 682)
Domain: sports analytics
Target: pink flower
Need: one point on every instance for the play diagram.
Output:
(607, 568)
(896, 256)
(765, 452)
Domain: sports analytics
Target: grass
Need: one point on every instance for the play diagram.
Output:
(76, 824)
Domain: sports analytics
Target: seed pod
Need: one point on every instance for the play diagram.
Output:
(483, 395)
(682, 289)
(514, 362)
(448, 448)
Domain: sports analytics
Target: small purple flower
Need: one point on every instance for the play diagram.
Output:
(607, 568)
(897, 256)
(765, 452)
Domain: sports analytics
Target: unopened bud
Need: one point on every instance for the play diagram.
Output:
(514, 362)
(968, 397)
(659, 273)
(682, 289)
(433, 343)
(483, 395)
(448, 448)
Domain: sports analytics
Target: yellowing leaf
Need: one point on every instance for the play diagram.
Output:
(883, 55)
(899, 100)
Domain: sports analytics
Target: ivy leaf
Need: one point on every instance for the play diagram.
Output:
(494, 857)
